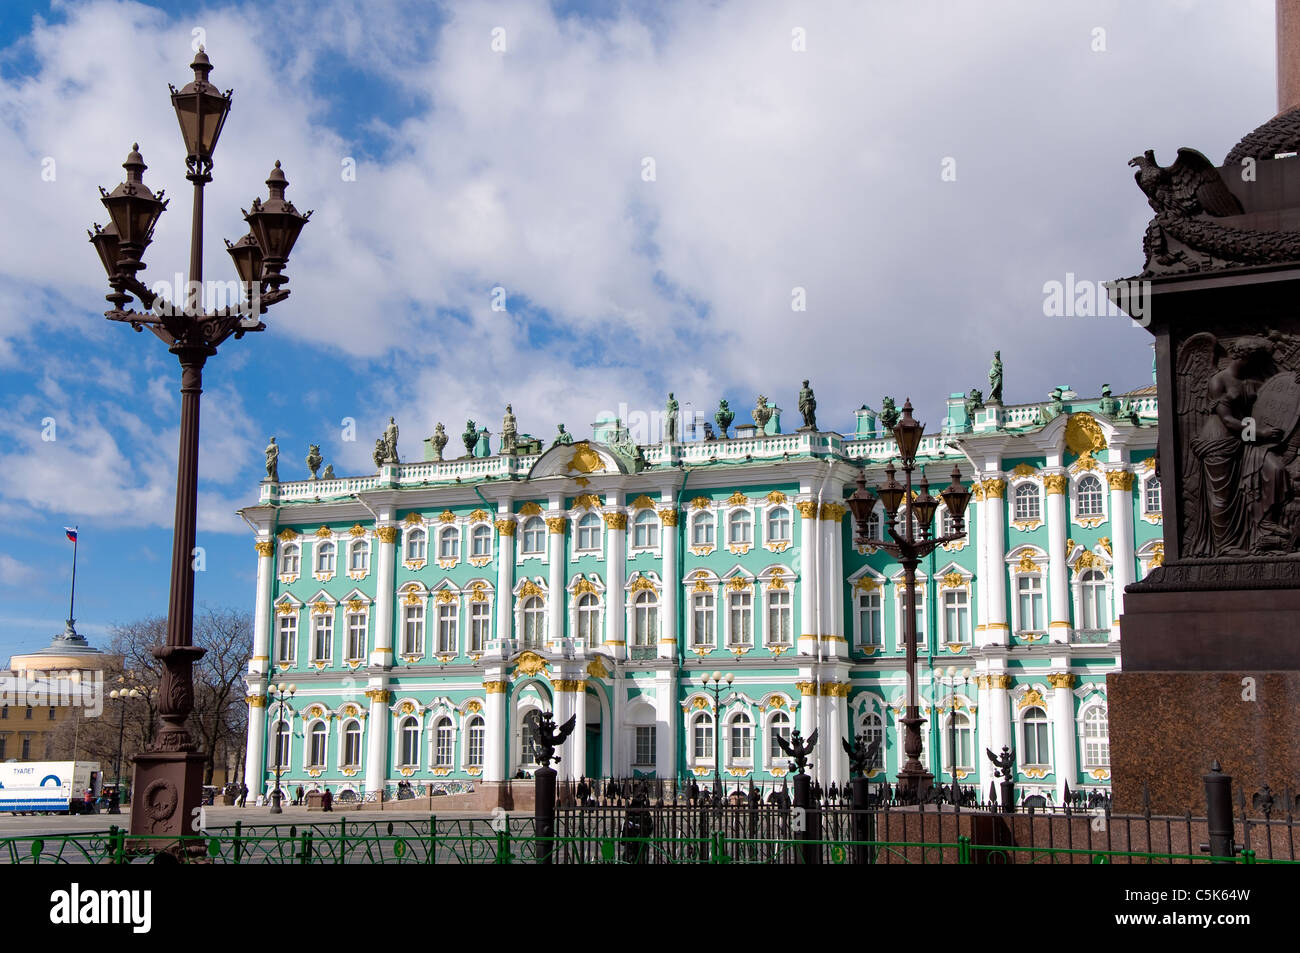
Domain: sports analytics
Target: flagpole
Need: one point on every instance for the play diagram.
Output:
(72, 596)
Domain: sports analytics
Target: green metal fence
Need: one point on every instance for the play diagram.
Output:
(512, 841)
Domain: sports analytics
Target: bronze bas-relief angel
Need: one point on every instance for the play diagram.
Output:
(1238, 405)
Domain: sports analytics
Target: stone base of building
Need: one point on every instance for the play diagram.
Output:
(167, 793)
(1206, 676)
(513, 796)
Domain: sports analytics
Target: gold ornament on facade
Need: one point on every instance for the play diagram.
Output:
(739, 584)
(616, 520)
(833, 512)
(588, 501)
(596, 669)
(286, 535)
(1157, 555)
(530, 588)
(583, 586)
(1148, 464)
(446, 516)
(1055, 483)
(953, 580)
(806, 688)
(320, 607)
(264, 547)
(413, 598)
(444, 596)
(569, 685)
(1023, 470)
(387, 534)
(643, 502)
(1088, 560)
(1026, 563)
(776, 497)
(408, 708)
(505, 527)
(995, 489)
(496, 688)
(668, 517)
(255, 701)
(866, 584)
(473, 706)
(530, 663)
(701, 503)
(323, 532)
(479, 516)
(557, 524)
(1061, 679)
(1120, 480)
(738, 499)
(381, 696)
(777, 584)
(350, 710)
(1031, 697)
(977, 491)
(586, 460)
(357, 530)
(641, 583)
(999, 681)
(286, 608)
(1085, 462)
(530, 509)
(807, 509)
(1104, 543)
(1083, 434)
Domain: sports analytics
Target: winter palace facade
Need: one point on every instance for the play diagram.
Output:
(428, 613)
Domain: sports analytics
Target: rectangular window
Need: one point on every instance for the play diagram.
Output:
(702, 616)
(356, 636)
(51, 714)
(476, 733)
(322, 637)
(702, 531)
(287, 643)
(956, 615)
(702, 740)
(1030, 592)
(27, 748)
(778, 617)
(645, 746)
(870, 622)
(4, 713)
(3, 741)
(413, 630)
(740, 607)
(28, 716)
(1151, 498)
(480, 622)
(448, 623)
(445, 741)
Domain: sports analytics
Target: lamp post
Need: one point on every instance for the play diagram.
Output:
(120, 696)
(278, 694)
(168, 774)
(919, 509)
(716, 684)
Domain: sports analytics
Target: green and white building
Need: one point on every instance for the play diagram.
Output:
(428, 612)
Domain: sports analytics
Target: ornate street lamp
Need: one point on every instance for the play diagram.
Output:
(918, 510)
(716, 684)
(121, 695)
(278, 694)
(168, 774)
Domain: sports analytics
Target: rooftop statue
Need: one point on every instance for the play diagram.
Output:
(509, 433)
(670, 419)
(314, 459)
(562, 437)
(438, 440)
(272, 462)
(808, 407)
(390, 442)
(889, 414)
(995, 379)
(470, 437)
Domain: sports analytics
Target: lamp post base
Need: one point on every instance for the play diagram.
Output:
(914, 786)
(168, 789)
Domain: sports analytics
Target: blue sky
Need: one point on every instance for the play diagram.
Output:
(523, 168)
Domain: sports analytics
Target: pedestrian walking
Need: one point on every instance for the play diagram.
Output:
(243, 795)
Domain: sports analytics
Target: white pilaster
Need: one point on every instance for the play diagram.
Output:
(255, 755)
(505, 526)
(555, 563)
(616, 578)
(1121, 530)
(1063, 731)
(669, 725)
(1058, 581)
(378, 728)
(668, 634)
(496, 726)
(984, 737)
(995, 584)
(385, 595)
(260, 663)
(566, 707)
(999, 704)
(809, 581)
(832, 528)
(578, 740)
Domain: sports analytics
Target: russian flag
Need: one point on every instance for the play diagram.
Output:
(70, 533)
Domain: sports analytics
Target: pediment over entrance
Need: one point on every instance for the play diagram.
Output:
(578, 459)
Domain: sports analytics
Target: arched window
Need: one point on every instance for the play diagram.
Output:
(528, 738)
(702, 738)
(778, 726)
(410, 735)
(316, 753)
(1094, 602)
(325, 558)
(289, 559)
(1096, 738)
(778, 525)
(476, 733)
(448, 627)
(702, 529)
(449, 542)
(588, 535)
(322, 641)
(1035, 743)
(645, 618)
(480, 626)
(589, 619)
(874, 730)
(282, 743)
(359, 556)
(352, 744)
(702, 618)
(1026, 504)
(1029, 603)
(740, 614)
(740, 748)
(416, 545)
(870, 618)
(1088, 498)
(900, 523)
(947, 525)
(444, 738)
(480, 540)
(1151, 496)
(778, 617)
(740, 528)
(533, 537)
(956, 615)
(958, 732)
(534, 621)
(645, 530)
(874, 526)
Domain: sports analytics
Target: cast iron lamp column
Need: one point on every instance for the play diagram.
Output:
(716, 684)
(168, 774)
(913, 780)
(278, 694)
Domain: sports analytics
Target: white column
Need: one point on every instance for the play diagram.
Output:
(255, 756)
(1058, 578)
(557, 597)
(378, 726)
(999, 631)
(566, 707)
(615, 578)
(384, 596)
(496, 726)
(832, 527)
(975, 534)
(1121, 530)
(578, 740)
(984, 734)
(809, 583)
(834, 761)
(807, 706)
(668, 634)
(1063, 733)
(666, 735)
(506, 526)
(999, 704)
(260, 663)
